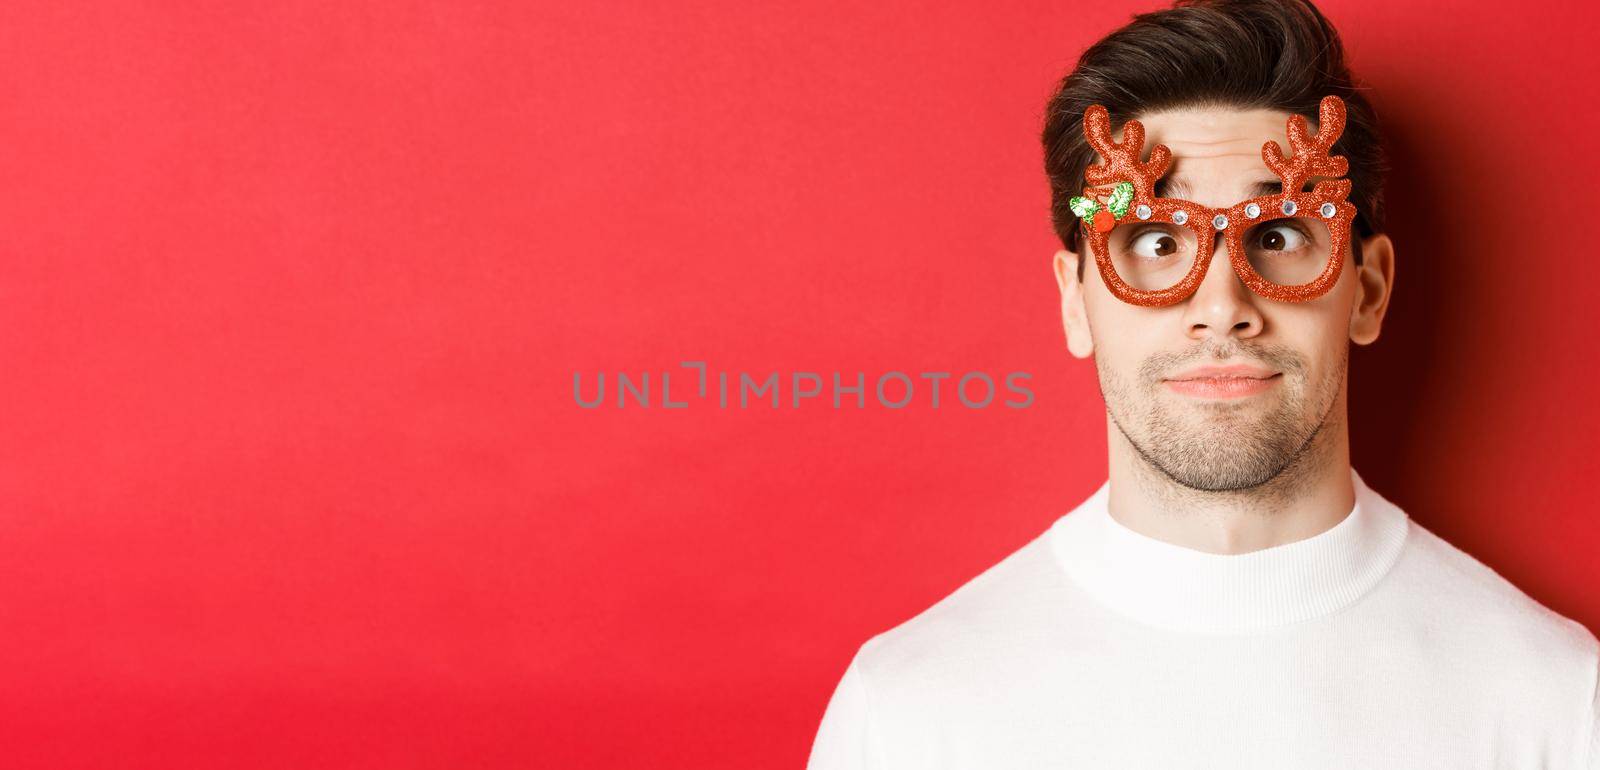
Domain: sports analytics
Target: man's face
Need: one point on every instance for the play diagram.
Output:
(1231, 432)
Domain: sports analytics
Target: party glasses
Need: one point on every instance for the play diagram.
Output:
(1154, 252)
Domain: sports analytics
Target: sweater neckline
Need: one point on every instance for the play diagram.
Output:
(1183, 589)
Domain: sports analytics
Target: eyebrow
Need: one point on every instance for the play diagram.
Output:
(1176, 187)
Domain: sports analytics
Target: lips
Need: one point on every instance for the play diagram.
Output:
(1235, 371)
(1223, 382)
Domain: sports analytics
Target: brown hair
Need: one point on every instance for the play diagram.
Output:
(1248, 54)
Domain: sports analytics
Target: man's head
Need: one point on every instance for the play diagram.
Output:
(1214, 81)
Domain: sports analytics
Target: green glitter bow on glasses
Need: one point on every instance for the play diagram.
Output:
(1115, 208)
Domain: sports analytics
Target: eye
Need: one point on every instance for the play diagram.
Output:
(1282, 237)
(1154, 244)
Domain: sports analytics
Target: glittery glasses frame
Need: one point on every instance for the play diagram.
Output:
(1327, 200)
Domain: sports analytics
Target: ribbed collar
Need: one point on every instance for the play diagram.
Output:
(1183, 589)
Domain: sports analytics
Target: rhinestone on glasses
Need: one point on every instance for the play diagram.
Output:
(1180, 216)
(1328, 209)
(1289, 207)
(1252, 210)
(1142, 211)
(1219, 222)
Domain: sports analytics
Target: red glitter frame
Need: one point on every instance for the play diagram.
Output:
(1308, 157)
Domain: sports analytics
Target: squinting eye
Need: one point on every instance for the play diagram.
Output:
(1282, 238)
(1153, 244)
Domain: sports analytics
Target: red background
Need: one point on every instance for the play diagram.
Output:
(292, 296)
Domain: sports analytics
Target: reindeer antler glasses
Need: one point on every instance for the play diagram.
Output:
(1289, 246)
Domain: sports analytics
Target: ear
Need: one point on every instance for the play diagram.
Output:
(1080, 342)
(1374, 285)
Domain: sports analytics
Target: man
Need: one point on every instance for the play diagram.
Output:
(1235, 595)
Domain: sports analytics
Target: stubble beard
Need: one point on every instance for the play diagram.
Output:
(1224, 445)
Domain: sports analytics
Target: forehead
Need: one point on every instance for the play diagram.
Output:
(1216, 150)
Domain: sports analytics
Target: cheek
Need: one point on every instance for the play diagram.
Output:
(1319, 335)
(1125, 338)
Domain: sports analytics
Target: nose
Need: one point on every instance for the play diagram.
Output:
(1222, 305)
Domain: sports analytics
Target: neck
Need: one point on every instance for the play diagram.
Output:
(1311, 495)
(1182, 589)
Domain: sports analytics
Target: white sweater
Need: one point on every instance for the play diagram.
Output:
(1374, 644)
